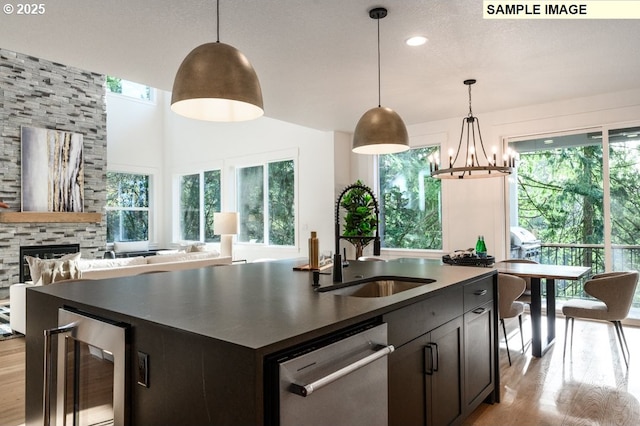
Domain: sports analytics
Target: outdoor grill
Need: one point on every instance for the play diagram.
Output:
(524, 244)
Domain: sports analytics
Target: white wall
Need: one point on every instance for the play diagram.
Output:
(157, 141)
(193, 145)
(135, 143)
(477, 206)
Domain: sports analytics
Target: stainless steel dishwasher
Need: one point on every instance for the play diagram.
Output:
(339, 380)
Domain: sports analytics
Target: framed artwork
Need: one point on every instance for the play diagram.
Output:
(52, 170)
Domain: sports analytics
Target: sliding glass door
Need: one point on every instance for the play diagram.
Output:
(579, 193)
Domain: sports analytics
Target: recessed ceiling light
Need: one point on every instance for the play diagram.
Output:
(548, 141)
(632, 135)
(416, 41)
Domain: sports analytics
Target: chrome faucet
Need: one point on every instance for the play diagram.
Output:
(337, 258)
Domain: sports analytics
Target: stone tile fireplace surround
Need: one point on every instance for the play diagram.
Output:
(39, 93)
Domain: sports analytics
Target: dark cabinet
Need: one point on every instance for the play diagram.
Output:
(443, 370)
(425, 378)
(444, 363)
(478, 355)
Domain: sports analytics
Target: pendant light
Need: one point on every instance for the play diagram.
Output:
(380, 130)
(475, 161)
(216, 82)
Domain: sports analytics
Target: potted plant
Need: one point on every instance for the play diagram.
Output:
(360, 220)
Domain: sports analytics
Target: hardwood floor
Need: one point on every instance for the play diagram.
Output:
(12, 382)
(592, 386)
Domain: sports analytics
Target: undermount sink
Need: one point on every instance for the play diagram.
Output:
(378, 288)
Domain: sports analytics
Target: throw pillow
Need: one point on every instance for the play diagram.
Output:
(127, 246)
(195, 248)
(46, 271)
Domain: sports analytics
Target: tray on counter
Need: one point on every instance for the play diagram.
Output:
(469, 260)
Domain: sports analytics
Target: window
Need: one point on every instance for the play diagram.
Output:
(410, 201)
(127, 207)
(130, 89)
(560, 184)
(199, 200)
(581, 203)
(624, 186)
(266, 203)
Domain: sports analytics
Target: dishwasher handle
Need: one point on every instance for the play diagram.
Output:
(306, 390)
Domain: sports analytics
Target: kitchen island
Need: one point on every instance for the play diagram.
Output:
(207, 332)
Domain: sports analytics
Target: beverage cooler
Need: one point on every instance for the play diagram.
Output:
(85, 379)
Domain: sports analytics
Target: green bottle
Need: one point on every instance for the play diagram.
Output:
(481, 248)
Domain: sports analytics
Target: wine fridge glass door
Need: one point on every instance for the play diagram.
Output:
(91, 372)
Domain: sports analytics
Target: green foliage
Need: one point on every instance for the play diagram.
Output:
(281, 203)
(190, 207)
(114, 84)
(411, 203)
(127, 207)
(561, 199)
(212, 186)
(360, 217)
(560, 194)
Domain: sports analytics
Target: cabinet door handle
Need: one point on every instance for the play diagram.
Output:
(479, 311)
(428, 360)
(437, 357)
(480, 292)
(431, 363)
(48, 361)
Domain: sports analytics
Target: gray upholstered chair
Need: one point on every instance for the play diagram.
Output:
(526, 296)
(510, 288)
(614, 292)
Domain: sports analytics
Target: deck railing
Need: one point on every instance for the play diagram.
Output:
(625, 257)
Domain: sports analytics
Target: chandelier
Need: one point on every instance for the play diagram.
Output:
(476, 162)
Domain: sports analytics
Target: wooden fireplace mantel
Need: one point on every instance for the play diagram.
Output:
(49, 217)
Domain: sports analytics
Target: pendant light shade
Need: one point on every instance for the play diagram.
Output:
(380, 130)
(216, 82)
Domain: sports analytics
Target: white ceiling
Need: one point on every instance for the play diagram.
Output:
(316, 59)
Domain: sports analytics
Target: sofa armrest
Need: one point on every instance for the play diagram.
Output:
(18, 301)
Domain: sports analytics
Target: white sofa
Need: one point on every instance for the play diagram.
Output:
(113, 268)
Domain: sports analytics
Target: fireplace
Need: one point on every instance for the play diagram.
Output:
(53, 251)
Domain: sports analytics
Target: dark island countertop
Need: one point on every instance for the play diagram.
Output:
(260, 306)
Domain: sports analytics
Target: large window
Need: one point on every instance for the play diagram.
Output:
(199, 200)
(266, 203)
(127, 207)
(582, 204)
(560, 188)
(410, 211)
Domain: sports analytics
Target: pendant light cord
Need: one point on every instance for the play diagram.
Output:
(217, 21)
(379, 101)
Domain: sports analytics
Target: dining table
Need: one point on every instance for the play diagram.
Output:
(549, 273)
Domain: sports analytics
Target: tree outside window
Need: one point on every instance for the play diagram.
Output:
(271, 219)
(410, 201)
(127, 207)
(129, 88)
(199, 200)
(562, 198)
